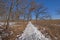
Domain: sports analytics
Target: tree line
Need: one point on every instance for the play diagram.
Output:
(22, 9)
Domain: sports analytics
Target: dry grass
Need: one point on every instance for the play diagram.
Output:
(51, 29)
(17, 30)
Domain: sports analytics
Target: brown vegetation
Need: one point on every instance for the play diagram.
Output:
(54, 31)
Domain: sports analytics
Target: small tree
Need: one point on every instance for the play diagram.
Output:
(58, 11)
(2, 9)
(8, 16)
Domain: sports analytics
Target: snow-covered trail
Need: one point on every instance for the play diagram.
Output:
(32, 33)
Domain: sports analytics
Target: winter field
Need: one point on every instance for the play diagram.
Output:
(52, 27)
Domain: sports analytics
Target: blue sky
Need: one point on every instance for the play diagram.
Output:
(52, 6)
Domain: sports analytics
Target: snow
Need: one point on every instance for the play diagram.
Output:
(56, 24)
(56, 38)
(32, 33)
(10, 23)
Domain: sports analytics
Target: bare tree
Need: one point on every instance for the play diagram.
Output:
(58, 11)
(8, 16)
(25, 8)
(2, 9)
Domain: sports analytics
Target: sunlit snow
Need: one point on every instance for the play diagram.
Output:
(32, 33)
